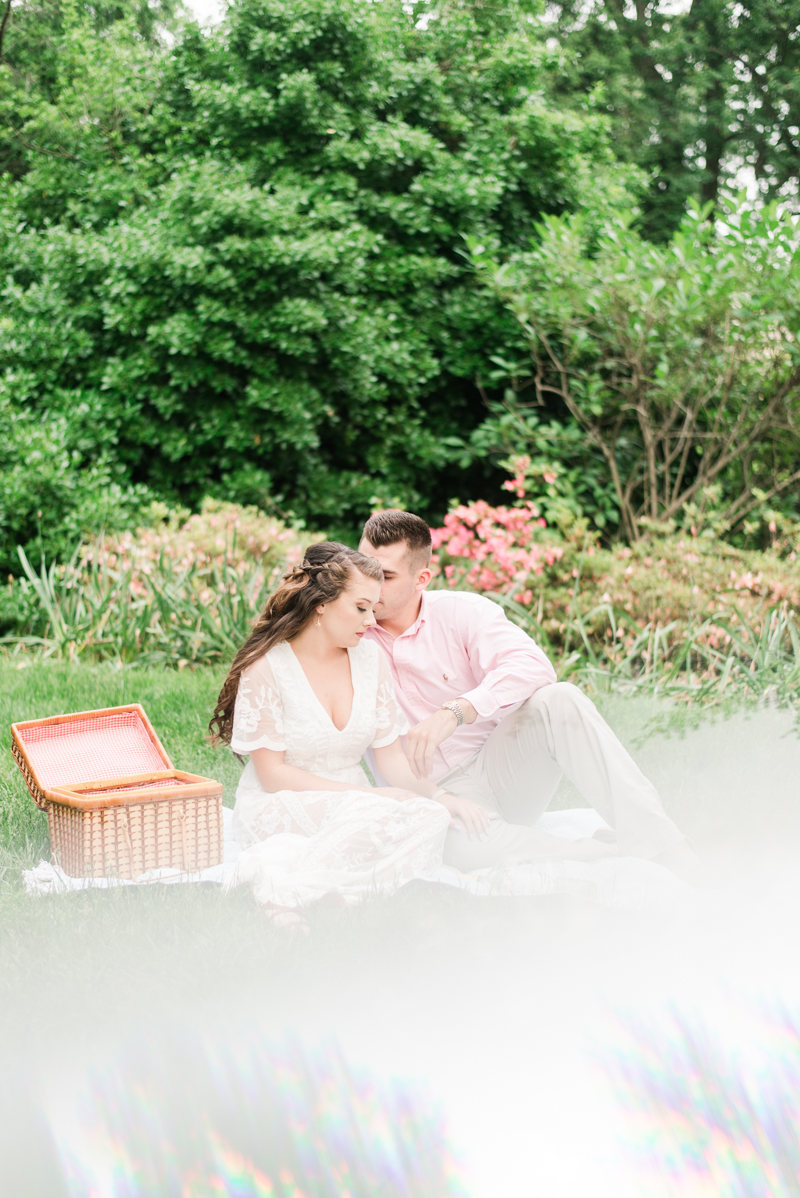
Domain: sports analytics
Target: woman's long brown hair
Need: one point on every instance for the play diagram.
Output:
(326, 570)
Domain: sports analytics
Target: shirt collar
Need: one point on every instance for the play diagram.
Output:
(414, 628)
(420, 620)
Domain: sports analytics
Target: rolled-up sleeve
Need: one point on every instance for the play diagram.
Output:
(508, 663)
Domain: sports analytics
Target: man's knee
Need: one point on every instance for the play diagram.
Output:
(560, 700)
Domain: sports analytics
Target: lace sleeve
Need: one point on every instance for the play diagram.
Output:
(390, 722)
(258, 714)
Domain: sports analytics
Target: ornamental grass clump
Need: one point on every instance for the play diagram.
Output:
(183, 592)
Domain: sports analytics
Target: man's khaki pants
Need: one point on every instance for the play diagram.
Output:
(514, 776)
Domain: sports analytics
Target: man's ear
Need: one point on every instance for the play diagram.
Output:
(423, 578)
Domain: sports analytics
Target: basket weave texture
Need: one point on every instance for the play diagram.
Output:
(115, 804)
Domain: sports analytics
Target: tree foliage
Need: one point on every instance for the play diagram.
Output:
(233, 262)
(695, 95)
(234, 265)
(680, 364)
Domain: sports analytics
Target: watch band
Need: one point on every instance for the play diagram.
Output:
(452, 705)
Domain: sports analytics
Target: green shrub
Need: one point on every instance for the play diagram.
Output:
(234, 265)
(677, 365)
(52, 494)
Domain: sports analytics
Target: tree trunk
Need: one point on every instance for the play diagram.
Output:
(708, 35)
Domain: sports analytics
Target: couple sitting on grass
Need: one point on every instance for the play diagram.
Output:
(353, 653)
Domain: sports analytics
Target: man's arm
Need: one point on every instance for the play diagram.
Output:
(509, 664)
(510, 667)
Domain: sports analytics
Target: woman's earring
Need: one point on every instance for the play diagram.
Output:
(319, 622)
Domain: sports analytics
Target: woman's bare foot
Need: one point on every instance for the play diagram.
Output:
(682, 860)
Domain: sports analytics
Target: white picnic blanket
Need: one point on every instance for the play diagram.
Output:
(626, 883)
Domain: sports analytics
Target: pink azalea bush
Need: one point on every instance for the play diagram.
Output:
(494, 549)
(523, 468)
(219, 532)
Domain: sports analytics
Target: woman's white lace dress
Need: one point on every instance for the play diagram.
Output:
(300, 845)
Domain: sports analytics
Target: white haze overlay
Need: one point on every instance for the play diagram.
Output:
(527, 1020)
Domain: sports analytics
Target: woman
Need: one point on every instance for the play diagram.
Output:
(305, 697)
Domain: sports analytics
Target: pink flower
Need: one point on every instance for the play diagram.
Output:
(495, 549)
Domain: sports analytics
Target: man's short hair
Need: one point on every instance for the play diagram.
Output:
(393, 526)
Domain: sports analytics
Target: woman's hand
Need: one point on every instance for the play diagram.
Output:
(473, 817)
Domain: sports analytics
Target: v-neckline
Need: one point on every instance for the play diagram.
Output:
(316, 697)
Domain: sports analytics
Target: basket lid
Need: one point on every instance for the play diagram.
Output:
(91, 745)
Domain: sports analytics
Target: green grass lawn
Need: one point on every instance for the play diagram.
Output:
(179, 704)
(110, 957)
(714, 775)
(165, 941)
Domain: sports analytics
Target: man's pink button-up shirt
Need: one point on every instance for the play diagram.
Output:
(462, 645)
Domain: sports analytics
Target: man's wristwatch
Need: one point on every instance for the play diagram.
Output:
(452, 705)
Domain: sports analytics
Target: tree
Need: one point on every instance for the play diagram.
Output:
(679, 364)
(236, 266)
(694, 96)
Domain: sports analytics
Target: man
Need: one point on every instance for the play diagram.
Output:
(490, 723)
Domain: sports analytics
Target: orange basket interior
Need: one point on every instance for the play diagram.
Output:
(116, 745)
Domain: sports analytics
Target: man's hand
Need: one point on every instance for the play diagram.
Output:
(424, 739)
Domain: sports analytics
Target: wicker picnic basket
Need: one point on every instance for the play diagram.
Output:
(115, 804)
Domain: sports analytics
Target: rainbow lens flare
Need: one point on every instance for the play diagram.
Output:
(189, 1119)
(708, 1118)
